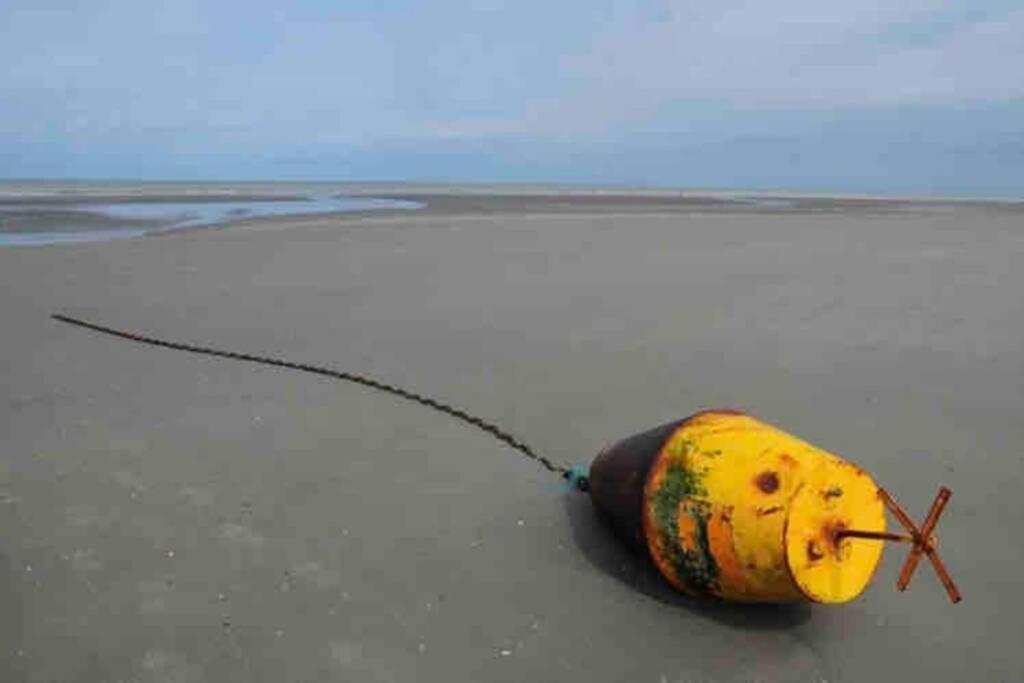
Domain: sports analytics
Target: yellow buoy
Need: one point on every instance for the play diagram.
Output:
(733, 508)
(726, 505)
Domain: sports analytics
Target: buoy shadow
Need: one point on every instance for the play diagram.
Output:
(613, 556)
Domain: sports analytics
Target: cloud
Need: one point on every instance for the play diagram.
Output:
(668, 64)
(160, 82)
(800, 53)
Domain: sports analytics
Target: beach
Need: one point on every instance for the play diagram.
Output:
(168, 517)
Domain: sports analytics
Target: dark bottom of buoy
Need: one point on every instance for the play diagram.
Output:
(618, 475)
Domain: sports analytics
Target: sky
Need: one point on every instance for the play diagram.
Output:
(924, 96)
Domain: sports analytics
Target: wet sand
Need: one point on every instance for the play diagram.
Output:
(33, 214)
(165, 517)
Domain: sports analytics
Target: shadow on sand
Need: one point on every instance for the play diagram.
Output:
(615, 557)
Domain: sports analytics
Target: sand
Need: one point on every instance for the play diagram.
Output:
(171, 518)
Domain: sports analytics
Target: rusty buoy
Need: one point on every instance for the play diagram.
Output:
(730, 507)
(727, 506)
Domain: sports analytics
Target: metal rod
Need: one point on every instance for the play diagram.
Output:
(878, 535)
(944, 577)
(926, 529)
(898, 512)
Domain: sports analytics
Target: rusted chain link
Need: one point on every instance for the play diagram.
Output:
(568, 473)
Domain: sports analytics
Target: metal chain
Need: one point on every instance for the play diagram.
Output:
(568, 473)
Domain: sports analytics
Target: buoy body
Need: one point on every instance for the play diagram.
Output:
(730, 507)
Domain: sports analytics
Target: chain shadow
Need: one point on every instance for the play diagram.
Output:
(615, 557)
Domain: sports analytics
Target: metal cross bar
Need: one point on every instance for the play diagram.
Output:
(924, 542)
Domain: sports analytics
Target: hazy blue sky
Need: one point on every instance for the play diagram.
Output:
(875, 95)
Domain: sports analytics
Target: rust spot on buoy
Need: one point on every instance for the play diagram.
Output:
(767, 481)
(832, 533)
(857, 469)
(813, 551)
(789, 461)
(833, 492)
(764, 512)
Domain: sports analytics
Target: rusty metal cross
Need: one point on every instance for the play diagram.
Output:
(924, 541)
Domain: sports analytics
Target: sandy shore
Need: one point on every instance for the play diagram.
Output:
(170, 518)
